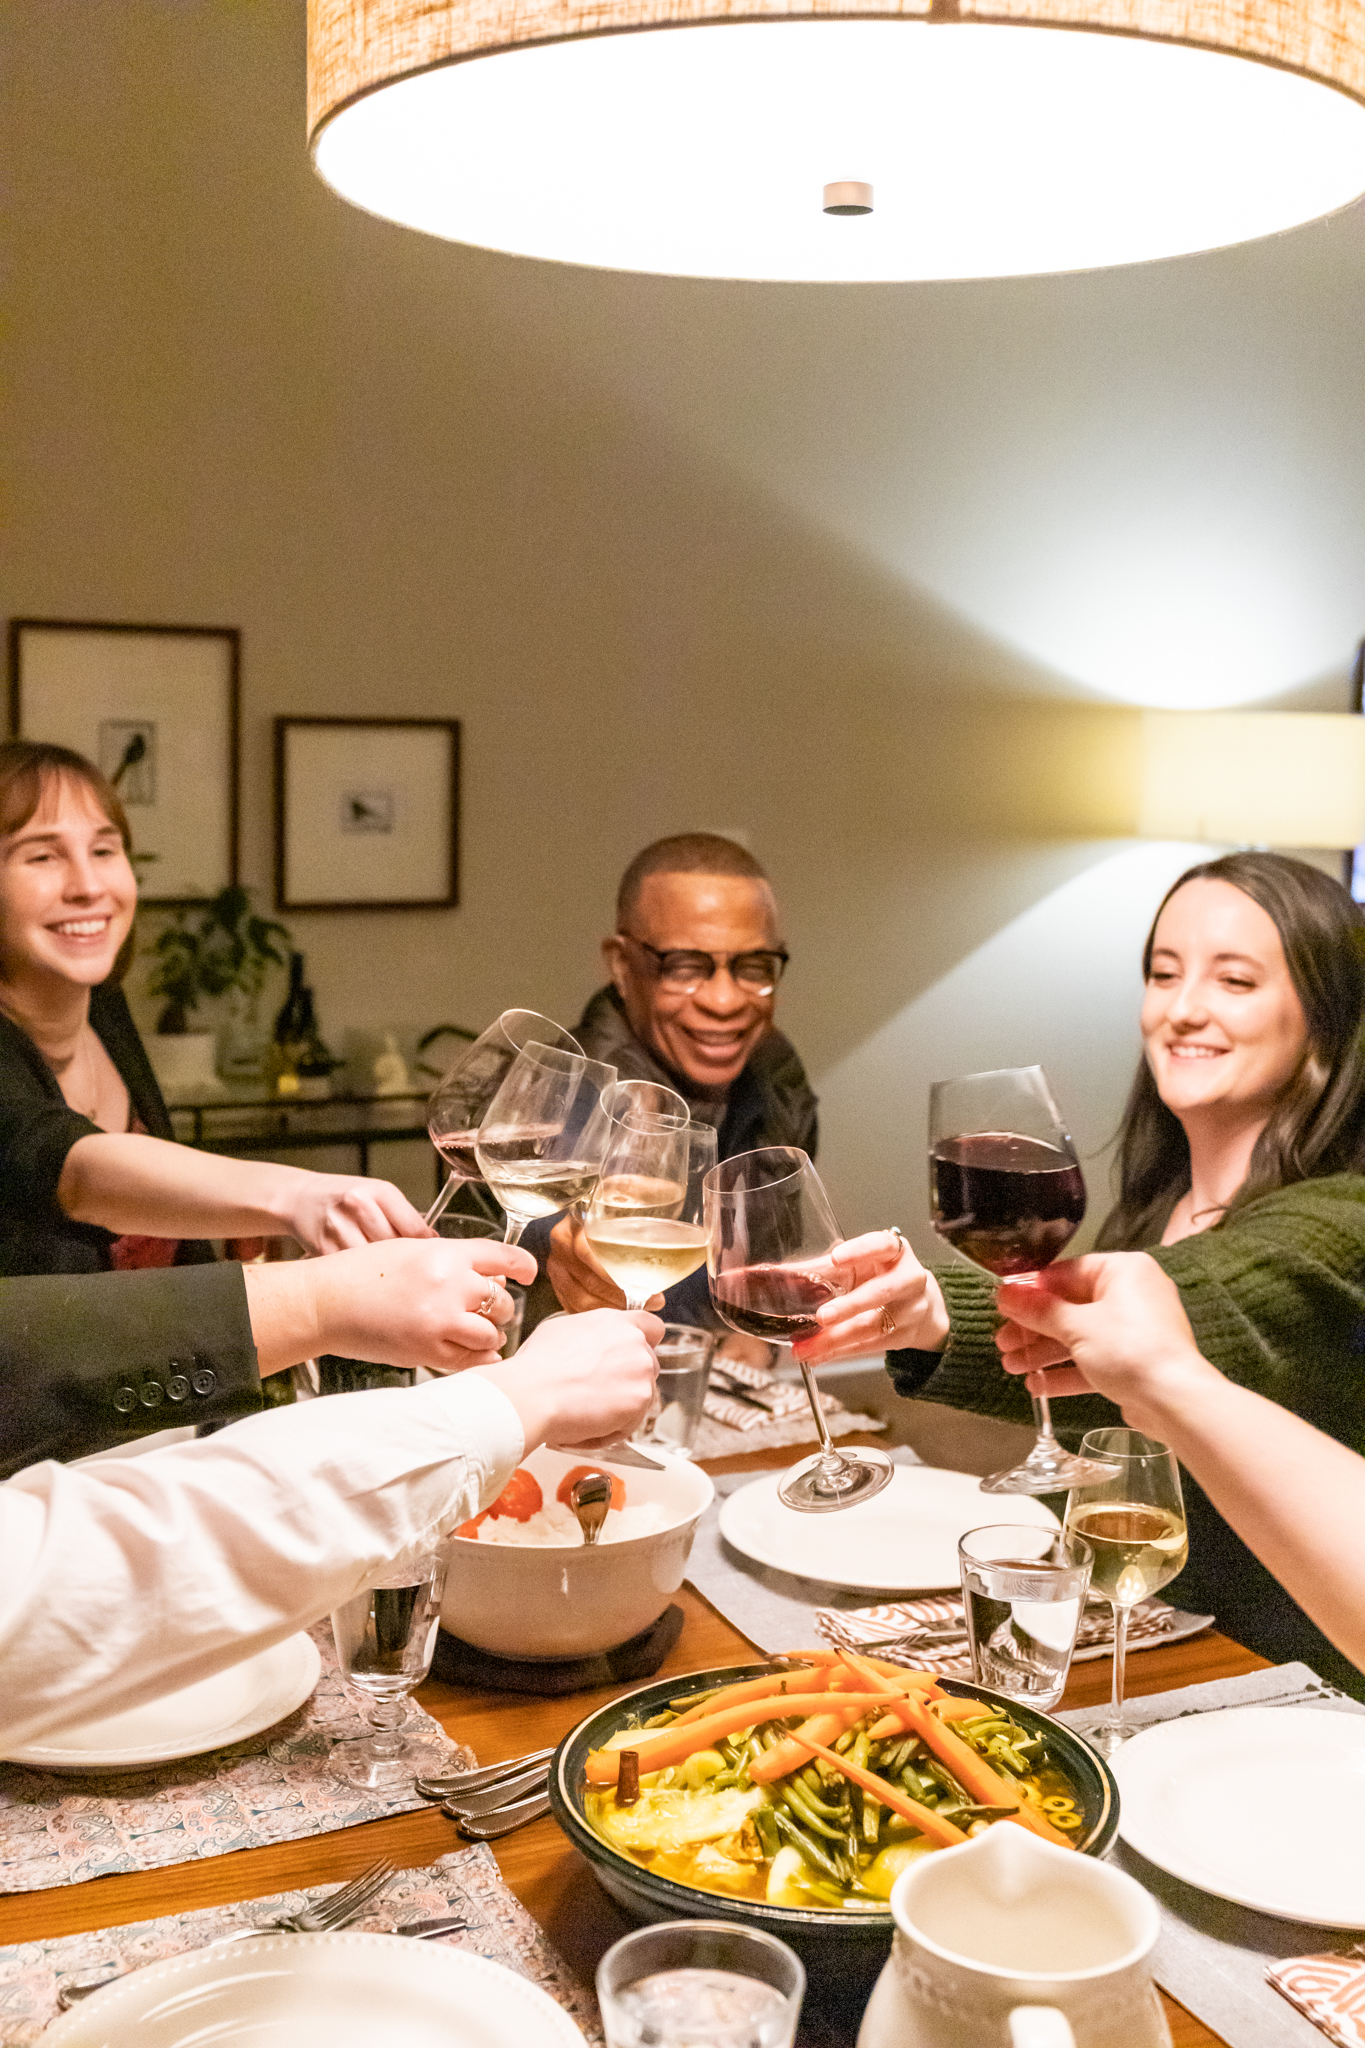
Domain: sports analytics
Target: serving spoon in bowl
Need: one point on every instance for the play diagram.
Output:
(590, 1497)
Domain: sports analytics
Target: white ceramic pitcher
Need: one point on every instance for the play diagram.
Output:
(1010, 1942)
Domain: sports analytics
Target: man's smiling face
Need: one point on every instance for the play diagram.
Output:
(707, 1035)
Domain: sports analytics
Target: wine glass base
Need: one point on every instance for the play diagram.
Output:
(822, 1485)
(358, 1764)
(1108, 1740)
(1050, 1469)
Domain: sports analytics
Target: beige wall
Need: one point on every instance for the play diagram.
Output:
(875, 574)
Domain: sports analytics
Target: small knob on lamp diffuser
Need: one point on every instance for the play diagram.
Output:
(847, 196)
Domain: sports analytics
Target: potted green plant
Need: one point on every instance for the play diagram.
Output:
(222, 948)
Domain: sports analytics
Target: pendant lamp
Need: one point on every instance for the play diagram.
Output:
(841, 139)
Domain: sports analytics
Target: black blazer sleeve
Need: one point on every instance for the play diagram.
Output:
(92, 1360)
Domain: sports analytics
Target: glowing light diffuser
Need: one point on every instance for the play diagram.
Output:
(697, 137)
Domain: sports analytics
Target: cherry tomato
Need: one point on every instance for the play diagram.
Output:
(520, 1498)
(570, 1479)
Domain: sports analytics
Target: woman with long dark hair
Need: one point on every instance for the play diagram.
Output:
(89, 1179)
(1241, 1170)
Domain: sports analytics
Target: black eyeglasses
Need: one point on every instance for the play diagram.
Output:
(684, 972)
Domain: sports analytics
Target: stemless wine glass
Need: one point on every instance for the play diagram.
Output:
(460, 1099)
(384, 1640)
(644, 1220)
(1007, 1192)
(769, 1231)
(541, 1144)
(1135, 1526)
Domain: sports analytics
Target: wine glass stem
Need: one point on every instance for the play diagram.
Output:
(1042, 1417)
(1120, 1651)
(821, 1427)
(515, 1226)
(443, 1199)
(386, 1718)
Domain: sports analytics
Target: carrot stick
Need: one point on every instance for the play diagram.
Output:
(753, 1689)
(953, 1709)
(985, 1785)
(673, 1745)
(923, 1817)
(790, 1753)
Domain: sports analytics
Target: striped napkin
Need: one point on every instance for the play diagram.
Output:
(1329, 1991)
(926, 1648)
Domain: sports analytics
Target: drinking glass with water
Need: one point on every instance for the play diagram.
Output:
(700, 1984)
(384, 1640)
(1023, 1595)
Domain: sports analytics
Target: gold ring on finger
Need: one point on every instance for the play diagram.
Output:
(489, 1302)
(888, 1323)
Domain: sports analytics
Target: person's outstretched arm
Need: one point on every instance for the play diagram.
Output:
(129, 1579)
(89, 1361)
(152, 1188)
(1294, 1496)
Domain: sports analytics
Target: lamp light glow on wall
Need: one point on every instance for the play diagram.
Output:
(696, 137)
(1254, 778)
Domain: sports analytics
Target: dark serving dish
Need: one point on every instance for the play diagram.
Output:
(651, 1897)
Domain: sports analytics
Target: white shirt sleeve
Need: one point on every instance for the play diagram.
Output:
(134, 1577)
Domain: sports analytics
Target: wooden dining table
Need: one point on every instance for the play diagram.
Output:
(549, 1877)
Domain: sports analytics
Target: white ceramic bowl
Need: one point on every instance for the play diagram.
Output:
(531, 1602)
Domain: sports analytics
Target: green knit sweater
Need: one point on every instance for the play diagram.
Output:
(1276, 1298)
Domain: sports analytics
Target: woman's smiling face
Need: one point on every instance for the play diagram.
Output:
(1223, 1029)
(67, 890)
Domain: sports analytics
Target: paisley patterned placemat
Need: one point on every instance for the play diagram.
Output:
(275, 1787)
(465, 1882)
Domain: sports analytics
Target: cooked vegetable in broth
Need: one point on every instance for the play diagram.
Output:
(817, 1784)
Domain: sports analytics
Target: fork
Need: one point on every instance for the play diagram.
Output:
(324, 1917)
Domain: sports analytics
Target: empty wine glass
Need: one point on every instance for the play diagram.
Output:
(384, 1640)
(1007, 1192)
(460, 1099)
(1134, 1523)
(544, 1135)
(770, 1230)
(644, 1220)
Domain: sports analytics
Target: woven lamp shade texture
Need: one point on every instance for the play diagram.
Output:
(356, 45)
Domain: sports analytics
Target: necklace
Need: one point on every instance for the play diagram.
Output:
(1213, 1209)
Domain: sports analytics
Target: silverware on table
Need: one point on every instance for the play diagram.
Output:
(460, 1782)
(325, 1916)
(473, 1805)
(590, 1497)
(488, 1827)
(615, 1454)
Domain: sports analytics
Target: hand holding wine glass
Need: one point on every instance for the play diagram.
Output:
(770, 1232)
(1134, 1523)
(458, 1103)
(1007, 1192)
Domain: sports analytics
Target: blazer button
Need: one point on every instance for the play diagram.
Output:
(177, 1386)
(125, 1400)
(152, 1394)
(203, 1380)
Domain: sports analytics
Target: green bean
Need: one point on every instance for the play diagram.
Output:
(695, 1699)
(872, 1816)
(845, 1742)
(765, 1827)
(860, 1748)
(807, 1814)
(659, 1721)
(809, 1848)
(814, 1795)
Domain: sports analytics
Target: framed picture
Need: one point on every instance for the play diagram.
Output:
(156, 707)
(367, 813)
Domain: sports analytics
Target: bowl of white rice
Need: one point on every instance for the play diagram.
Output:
(525, 1585)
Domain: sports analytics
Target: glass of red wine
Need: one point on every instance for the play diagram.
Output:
(1006, 1191)
(769, 1233)
(457, 1104)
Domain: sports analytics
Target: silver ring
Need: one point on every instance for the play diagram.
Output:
(489, 1302)
(900, 1236)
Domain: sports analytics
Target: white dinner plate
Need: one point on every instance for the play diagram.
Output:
(1264, 1806)
(903, 1541)
(319, 1991)
(228, 1707)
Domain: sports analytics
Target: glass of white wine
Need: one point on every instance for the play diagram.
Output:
(644, 1220)
(544, 1135)
(1134, 1524)
(460, 1099)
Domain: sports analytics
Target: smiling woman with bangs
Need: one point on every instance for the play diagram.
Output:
(89, 1177)
(1241, 1171)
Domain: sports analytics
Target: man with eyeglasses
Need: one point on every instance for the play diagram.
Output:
(694, 961)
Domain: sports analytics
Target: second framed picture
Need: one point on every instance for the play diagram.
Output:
(367, 813)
